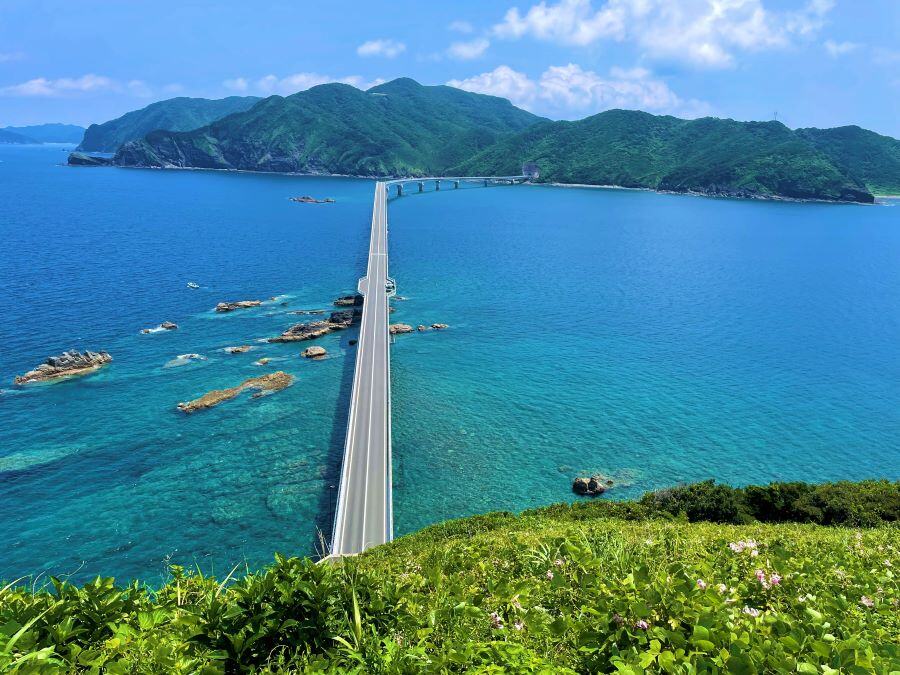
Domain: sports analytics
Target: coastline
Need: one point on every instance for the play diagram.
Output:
(692, 193)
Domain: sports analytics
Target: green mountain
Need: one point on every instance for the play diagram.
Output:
(11, 137)
(397, 128)
(50, 133)
(708, 156)
(174, 114)
(873, 158)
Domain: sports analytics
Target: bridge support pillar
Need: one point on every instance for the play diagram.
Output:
(399, 189)
(456, 185)
(486, 183)
(421, 187)
(437, 185)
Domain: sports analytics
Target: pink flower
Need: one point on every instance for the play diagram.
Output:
(751, 611)
(496, 621)
(774, 579)
(559, 562)
(701, 584)
(549, 575)
(866, 601)
(518, 625)
(641, 625)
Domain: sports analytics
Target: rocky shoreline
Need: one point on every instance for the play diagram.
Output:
(68, 364)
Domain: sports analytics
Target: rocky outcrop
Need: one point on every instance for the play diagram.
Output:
(314, 329)
(263, 361)
(349, 301)
(67, 364)
(306, 199)
(240, 304)
(237, 350)
(314, 352)
(263, 384)
(396, 328)
(439, 326)
(421, 328)
(81, 159)
(165, 325)
(591, 487)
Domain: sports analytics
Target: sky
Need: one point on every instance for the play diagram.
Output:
(817, 63)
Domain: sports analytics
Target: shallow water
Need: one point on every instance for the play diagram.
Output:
(654, 338)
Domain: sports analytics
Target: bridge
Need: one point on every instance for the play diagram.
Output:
(364, 515)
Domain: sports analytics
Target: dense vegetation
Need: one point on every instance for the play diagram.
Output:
(873, 158)
(174, 114)
(708, 155)
(397, 128)
(46, 133)
(594, 587)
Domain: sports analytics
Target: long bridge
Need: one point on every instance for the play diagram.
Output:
(364, 515)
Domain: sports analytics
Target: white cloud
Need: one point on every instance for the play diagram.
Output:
(705, 33)
(386, 48)
(466, 51)
(571, 91)
(461, 27)
(836, 49)
(42, 86)
(291, 84)
(6, 57)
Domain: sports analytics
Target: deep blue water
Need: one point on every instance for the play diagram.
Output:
(654, 338)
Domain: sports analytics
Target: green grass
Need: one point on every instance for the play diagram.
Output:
(596, 588)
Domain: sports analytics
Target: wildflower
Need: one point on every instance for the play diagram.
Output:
(517, 604)
(721, 588)
(559, 562)
(754, 553)
(496, 621)
(641, 625)
(751, 611)
(774, 579)
(866, 601)
(701, 584)
(549, 575)
(741, 546)
(887, 563)
(519, 625)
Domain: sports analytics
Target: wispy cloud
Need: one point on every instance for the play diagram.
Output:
(571, 91)
(382, 47)
(291, 84)
(461, 27)
(837, 49)
(466, 51)
(43, 87)
(705, 33)
(6, 57)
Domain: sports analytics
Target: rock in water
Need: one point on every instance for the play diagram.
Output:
(349, 301)
(165, 325)
(439, 326)
(421, 328)
(240, 304)
(591, 487)
(237, 350)
(314, 352)
(263, 384)
(263, 361)
(400, 328)
(309, 331)
(67, 364)
(81, 159)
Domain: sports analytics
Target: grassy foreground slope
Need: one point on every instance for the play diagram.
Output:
(599, 587)
(396, 128)
(175, 114)
(709, 155)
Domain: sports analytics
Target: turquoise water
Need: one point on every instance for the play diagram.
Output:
(655, 338)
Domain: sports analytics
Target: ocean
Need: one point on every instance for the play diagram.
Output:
(653, 338)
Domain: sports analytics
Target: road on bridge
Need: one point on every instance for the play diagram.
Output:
(364, 515)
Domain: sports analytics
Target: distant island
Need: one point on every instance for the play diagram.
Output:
(42, 133)
(402, 128)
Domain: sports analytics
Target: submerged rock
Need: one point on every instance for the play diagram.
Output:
(349, 300)
(184, 359)
(400, 328)
(240, 304)
(263, 361)
(314, 329)
(237, 350)
(421, 328)
(314, 352)
(439, 326)
(263, 384)
(67, 364)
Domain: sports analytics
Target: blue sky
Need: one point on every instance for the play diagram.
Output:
(816, 62)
